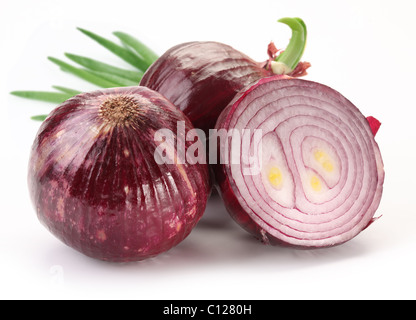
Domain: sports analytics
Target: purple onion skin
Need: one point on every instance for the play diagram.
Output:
(95, 183)
(201, 78)
(226, 187)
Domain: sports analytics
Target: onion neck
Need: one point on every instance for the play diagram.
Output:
(287, 61)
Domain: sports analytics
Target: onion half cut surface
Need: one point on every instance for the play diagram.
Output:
(300, 165)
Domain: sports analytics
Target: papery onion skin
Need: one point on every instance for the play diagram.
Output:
(201, 78)
(96, 186)
(293, 226)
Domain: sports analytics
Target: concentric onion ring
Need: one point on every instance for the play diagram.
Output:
(317, 176)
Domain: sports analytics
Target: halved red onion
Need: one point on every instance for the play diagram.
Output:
(96, 184)
(316, 174)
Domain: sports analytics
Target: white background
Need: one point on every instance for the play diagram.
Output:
(364, 49)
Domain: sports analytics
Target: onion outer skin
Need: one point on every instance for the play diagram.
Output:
(288, 234)
(97, 187)
(201, 78)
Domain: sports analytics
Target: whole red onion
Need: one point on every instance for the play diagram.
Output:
(95, 181)
(201, 78)
(298, 163)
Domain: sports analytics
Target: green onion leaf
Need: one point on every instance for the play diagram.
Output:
(141, 49)
(119, 81)
(99, 66)
(67, 90)
(123, 53)
(47, 96)
(40, 117)
(83, 74)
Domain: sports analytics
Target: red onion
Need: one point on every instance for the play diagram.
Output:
(95, 182)
(201, 78)
(316, 174)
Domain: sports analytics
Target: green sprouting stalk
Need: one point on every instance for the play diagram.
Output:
(287, 61)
